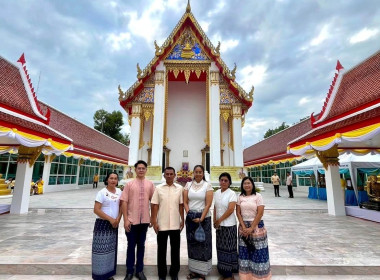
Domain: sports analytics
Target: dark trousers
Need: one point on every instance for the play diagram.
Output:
(162, 241)
(290, 190)
(95, 185)
(136, 237)
(276, 190)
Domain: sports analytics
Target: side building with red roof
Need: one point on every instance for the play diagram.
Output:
(349, 122)
(269, 155)
(38, 141)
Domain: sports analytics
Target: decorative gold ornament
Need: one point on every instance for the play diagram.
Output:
(138, 71)
(28, 154)
(187, 52)
(159, 51)
(233, 72)
(329, 157)
(250, 94)
(159, 77)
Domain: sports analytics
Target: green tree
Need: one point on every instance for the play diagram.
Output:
(125, 139)
(271, 132)
(109, 123)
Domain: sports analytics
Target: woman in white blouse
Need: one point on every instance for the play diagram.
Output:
(197, 200)
(226, 230)
(104, 244)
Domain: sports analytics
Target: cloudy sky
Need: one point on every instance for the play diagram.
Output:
(82, 50)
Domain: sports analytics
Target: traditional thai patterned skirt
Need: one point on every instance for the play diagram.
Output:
(226, 248)
(104, 250)
(200, 253)
(254, 264)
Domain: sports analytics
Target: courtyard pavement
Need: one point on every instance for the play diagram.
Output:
(53, 241)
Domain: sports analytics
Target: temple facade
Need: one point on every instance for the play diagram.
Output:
(186, 107)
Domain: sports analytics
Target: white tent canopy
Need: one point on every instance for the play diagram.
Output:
(347, 160)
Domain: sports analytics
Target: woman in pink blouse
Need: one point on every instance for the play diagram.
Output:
(253, 242)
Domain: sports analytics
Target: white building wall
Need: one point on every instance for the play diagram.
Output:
(186, 122)
(146, 139)
(226, 153)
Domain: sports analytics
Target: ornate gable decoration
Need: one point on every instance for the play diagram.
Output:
(187, 45)
(187, 48)
(146, 96)
(226, 97)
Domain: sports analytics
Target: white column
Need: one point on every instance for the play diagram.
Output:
(46, 172)
(159, 117)
(21, 193)
(135, 134)
(214, 125)
(335, 200)
(237, 135)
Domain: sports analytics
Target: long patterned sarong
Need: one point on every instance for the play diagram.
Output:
(104, 250)
(226, 248)
(200, 253)
(254, 265)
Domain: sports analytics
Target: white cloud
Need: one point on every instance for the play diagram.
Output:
(303, 101)
(219, 8)
(204, 25)
(228, 44)
(253, 75)
(363, 35)
(119, 41)
(322, 36)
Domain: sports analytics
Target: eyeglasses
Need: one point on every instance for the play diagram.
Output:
(224, 180)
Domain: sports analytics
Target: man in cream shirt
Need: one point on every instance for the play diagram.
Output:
(276, 184)
(167, 220)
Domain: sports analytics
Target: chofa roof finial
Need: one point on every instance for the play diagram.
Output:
(188, 8)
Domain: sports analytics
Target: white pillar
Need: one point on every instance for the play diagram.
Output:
(46, 172)
(135, 134)
(335, 200)
(237, 135)
(214, 125)
(21, 193)
(159, 117)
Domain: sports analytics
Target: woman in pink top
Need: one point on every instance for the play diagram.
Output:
(253, 242)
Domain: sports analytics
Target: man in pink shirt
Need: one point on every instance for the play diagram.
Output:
(135, 199)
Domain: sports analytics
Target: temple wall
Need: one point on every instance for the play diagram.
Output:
(186, 122)
(146, 139)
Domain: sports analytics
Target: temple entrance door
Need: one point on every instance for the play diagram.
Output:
(206, 158)
(207, 163)
(165, 158)
(163, 162)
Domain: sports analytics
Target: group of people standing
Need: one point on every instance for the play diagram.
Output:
(276, 184)
(242, 249)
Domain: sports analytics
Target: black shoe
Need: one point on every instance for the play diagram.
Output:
(174, 277)
(162, 278)
(128, 277)
(279, 196)
(140, 275)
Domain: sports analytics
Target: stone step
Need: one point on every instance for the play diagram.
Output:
(151, 270)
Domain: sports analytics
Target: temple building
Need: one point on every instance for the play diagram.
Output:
(186, 107)
(38, 141)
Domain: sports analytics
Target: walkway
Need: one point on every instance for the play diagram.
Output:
(55, 239)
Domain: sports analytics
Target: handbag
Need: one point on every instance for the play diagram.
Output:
(199, 234)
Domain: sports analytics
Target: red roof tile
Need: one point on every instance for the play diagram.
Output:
(30, 127)
(360, 120)
(359, 86)
(87, 138)
(12, 90)
(276, 144)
